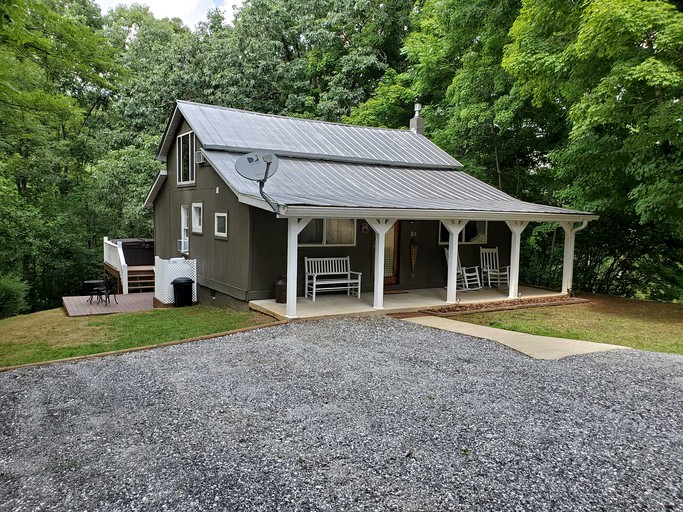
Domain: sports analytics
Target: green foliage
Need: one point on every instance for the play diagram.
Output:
(615, 68)
(390, 106)
(157, 55)
(56, 75)
(112, 196)
(12, 296)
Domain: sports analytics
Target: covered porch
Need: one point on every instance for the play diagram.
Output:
(394, 302)
(412, 298)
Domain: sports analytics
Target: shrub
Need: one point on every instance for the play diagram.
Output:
(12, 296)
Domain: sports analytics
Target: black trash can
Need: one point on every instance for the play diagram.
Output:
(182, 291)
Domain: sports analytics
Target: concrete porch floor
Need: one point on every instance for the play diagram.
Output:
(327, 304)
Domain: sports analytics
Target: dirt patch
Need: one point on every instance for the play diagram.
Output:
(463, 309)
(261, 318)
(411, 314)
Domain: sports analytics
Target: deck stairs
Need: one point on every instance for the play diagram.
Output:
(141, 279)
(131, 261)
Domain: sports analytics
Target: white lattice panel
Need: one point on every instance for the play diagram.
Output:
(166, 271)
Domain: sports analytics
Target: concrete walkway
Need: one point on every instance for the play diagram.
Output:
(538, 347)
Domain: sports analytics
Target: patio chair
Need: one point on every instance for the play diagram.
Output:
(491, 270)
(108, 288)
(467, 278)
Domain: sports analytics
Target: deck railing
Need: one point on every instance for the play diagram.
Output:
(113, 256)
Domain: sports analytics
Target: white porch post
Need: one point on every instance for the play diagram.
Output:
(568, 264)
(380, 227)
(516, 226)
(294, 227)
(454, 228)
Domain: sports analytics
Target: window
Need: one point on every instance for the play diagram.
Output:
(185, 164)
(221, 225)
(329, 232)
(184, 242)
(197, 217)
(475, 232)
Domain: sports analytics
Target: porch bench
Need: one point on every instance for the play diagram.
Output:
(330, 274)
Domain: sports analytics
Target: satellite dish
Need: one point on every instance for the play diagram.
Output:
(257, 166)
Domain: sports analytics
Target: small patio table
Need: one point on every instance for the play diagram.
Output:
(94, 284)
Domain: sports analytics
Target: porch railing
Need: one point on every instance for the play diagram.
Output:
(113, 256)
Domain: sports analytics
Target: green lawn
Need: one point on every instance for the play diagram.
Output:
(50, 335)
(638, 324)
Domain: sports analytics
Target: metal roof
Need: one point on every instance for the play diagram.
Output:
(240, 131)
(311, 183)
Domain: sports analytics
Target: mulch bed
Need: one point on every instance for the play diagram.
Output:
(463, 309)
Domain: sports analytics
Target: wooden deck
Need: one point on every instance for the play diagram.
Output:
(78, 306)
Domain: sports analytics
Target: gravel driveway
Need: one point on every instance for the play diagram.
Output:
(344, 414)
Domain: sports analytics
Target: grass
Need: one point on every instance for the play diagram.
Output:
(50, 335)
(653, 326)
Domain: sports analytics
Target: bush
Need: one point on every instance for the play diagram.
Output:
(12, 296)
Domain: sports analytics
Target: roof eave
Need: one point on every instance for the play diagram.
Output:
(155, 189)
(426, 214)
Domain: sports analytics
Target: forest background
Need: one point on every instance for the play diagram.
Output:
(562, 102)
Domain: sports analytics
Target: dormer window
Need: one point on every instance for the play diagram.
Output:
(186, 158)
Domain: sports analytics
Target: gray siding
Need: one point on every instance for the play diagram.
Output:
(269, 244)
(431, 267)
(270, 254)
(222, 265)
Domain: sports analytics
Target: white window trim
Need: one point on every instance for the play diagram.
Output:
(197, 227)
(179, 159)
(215, 225)
(323, 244)
(185, 226)
(462, 235)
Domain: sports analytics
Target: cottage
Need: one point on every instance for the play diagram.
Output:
(390, 200)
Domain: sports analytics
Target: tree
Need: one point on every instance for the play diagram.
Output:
(56, 74)
(158, 57)
(614, 67)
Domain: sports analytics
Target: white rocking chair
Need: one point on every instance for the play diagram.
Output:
(467, 278)
(491, 270)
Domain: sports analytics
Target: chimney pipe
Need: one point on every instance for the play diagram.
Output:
(417, 124)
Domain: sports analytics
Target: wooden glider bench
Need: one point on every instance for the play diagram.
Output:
(330, 274)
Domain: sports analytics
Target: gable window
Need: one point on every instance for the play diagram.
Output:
(475, 232)
(329, 232)
(184, 241)
(185, 164)
(221, 225)
(197, 217)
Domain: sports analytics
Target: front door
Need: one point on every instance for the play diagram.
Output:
(391, 251)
